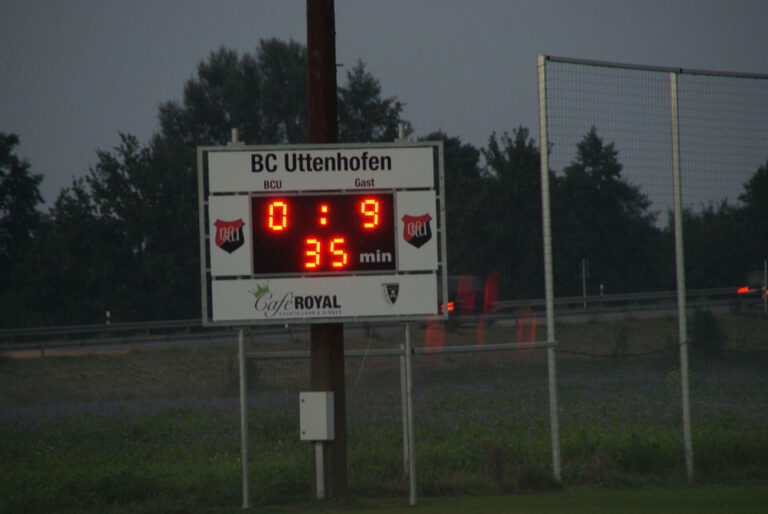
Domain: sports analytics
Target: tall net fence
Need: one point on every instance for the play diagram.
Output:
(723, 145)
(610, 142)
(611, 133)
(610, 153)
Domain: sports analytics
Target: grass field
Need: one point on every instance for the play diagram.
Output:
(580, 500)
(158, 431)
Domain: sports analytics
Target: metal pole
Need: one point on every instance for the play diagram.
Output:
(548, 274)
(680, 267)
(765, 286)
(409, 410)
(319, 470)
(244, 420)
(404, 410)
(584, 281)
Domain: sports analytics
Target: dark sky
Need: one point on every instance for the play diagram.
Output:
(76, 73)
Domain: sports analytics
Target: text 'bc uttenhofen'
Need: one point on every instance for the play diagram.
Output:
(305, 161)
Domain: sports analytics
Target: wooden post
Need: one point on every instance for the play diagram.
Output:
(327, 340)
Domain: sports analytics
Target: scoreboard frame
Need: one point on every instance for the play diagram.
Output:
(245, 193)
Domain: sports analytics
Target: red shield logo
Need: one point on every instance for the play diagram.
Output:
(229, 235)
(417, 230)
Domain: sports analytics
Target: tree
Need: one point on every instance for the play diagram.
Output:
(263, 96)
(148, 203)
(513, 207)
(364, 116)
(89, 256)
(71, 276)
(755, 217)
(19, 197)
(710, 238)
(724, 242)
(603, 218)
(465, 195)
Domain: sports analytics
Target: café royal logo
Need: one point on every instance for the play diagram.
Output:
(292, 305)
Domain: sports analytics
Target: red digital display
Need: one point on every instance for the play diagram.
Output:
(322, 233)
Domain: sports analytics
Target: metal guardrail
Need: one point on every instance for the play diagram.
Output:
(138, 333)
(142, 326)
(614, 299)
(45, 338)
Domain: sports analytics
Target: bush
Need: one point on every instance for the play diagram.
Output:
(707, 331)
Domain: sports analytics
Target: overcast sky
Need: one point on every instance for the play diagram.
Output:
(76, 73)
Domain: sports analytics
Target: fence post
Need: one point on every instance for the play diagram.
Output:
(244, 419)
(408, 415)
(404, 410)
(682, 322)
(548, 280)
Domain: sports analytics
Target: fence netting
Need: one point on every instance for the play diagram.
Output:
(610, 141)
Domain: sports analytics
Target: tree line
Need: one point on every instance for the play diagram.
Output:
(124, 237)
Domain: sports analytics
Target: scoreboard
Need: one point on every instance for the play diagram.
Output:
(321, 233)
(334, 232)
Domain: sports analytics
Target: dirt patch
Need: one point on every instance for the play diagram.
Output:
(174, 372)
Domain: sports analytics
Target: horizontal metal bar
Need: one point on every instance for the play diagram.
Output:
(662, 69)
(394, 352)
(303, 354)
(484, 347)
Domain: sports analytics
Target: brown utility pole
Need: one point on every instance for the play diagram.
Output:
(327, 340)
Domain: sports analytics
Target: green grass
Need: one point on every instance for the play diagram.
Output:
(95, 434)
(181, 460)
(94, 462)
(587, 500)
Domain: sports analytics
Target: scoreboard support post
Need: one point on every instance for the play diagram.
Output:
(323, 234)
(244, 446)
(326, 340)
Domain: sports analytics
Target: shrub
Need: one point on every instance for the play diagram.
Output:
(707, 331)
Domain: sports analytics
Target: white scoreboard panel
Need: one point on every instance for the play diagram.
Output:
(321, 233)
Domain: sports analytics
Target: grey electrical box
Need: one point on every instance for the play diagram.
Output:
(316, 415)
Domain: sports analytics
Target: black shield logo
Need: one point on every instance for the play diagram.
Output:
(390, 292)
